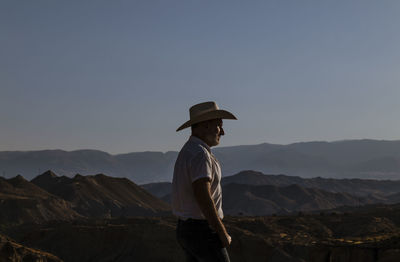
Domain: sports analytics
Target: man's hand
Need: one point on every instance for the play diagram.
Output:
(225, 239)
(202, 193)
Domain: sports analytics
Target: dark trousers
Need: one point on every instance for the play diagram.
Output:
(200, 242)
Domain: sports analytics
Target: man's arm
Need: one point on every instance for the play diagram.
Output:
(202, 193)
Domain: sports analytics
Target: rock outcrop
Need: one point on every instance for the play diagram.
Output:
(10, 251)
(24, 202)
(102, 196)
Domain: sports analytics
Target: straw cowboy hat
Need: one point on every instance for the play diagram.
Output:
(205, 111)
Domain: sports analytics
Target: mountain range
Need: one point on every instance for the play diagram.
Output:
(100, 218)
(139, 167)
(254, 193)
(249, 200)
(374, 159)
(49, 197)
(355, 186)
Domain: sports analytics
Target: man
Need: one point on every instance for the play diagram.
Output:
(196, 188)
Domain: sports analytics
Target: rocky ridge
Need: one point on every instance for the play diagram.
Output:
(102, 196)
(10, 251)
(22, 201)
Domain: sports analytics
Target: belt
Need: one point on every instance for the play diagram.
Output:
(187, 218)
(192, 220)
(189, 222)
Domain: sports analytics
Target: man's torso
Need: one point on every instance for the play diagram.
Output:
(195, 161)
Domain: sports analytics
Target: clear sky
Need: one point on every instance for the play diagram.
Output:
(120, 76)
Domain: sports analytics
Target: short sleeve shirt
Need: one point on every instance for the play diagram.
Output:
(195, 161)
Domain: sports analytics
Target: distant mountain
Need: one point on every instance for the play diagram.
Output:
(385, 190)
(102, 196)
(357, 187)
(340, 159)
(24, 202)
(159, 190)
(393, 198)
(250, 200)
(139, 167)
(253, 193)
(372, 159)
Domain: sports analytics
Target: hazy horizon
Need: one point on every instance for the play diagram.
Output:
(219, 146)
(120, 76)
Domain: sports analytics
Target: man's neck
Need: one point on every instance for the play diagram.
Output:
(201, 138)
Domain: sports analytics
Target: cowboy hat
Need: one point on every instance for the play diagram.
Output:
(205, 111)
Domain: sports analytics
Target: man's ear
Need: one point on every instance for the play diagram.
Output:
(203, 125)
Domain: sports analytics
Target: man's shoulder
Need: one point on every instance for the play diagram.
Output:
(192, 149)
(195, 148)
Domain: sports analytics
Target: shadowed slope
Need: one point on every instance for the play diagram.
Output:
(11, 251)
(252, 193)
(160, 190)
(359, 187)
(102, 196)
(239, 199)
(22, 201)
(351, 237)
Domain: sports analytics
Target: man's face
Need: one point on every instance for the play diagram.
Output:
(214, 131)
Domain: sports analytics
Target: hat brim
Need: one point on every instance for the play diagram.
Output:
(223, 114)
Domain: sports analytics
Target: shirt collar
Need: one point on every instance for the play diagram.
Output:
(199, 141)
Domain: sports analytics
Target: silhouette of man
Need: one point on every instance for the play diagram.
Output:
(196, 188)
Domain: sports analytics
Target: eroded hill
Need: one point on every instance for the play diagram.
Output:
(341, 237)
(10, 251)
(102, 196)
(21, 202)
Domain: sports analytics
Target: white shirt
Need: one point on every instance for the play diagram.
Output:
(195, 161)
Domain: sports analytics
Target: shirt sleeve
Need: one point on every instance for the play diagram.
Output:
(200, 166)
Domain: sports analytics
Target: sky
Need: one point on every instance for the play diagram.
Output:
(120, 76)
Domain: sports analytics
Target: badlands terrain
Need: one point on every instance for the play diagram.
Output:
(270, 218)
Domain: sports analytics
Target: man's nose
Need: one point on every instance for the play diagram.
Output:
(221, 132)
